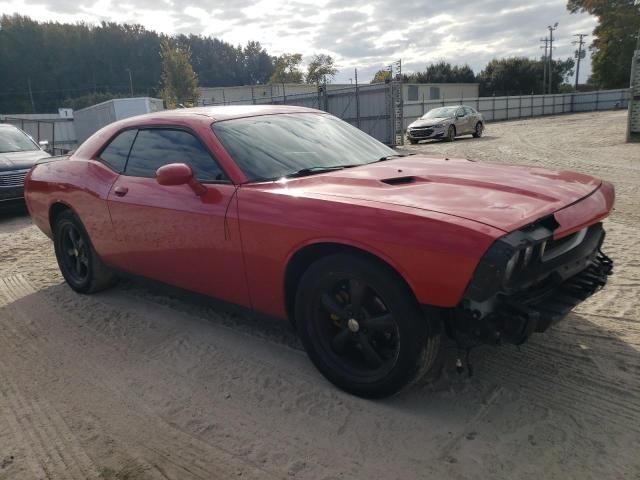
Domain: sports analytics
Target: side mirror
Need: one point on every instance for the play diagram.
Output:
(460, 114)
(179, 174)
(43, 144)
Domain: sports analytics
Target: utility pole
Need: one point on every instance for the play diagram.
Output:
(551, 30)
(580, 54)
(130, 81)
(545, 40)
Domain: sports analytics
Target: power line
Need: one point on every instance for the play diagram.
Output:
(580, 53)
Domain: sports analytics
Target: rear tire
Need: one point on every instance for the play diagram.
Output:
(79, 263)
(362, 327)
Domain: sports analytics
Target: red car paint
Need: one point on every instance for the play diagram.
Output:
(430, 219)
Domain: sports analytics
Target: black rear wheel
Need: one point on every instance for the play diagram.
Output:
(79, 263)
(361, 327)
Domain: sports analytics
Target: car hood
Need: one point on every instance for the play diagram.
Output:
(506, 197)
(428, 122)
(20, 160)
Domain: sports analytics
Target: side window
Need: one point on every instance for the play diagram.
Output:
(115, 155)
(460, 111)
(469, 111)
(156, 147)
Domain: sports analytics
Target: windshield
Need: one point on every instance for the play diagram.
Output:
(443, 112)
(14, 140)
(273, 146)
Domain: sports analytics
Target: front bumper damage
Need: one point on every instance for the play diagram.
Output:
(559, 275)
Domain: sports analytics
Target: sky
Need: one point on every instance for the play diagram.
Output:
(363, 34)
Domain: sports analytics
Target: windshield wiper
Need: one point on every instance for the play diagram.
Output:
(318, 169)
(394, 155)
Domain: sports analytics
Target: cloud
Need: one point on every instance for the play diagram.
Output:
(366, 34)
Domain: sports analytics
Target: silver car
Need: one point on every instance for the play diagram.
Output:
(18, 153)
(446, 123)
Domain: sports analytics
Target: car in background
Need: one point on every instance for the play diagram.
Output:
(293, 213)
(446, 123)
(18, 153)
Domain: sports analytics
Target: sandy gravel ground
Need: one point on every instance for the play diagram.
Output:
(142, 382)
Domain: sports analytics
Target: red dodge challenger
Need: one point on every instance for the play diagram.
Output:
(290, 212)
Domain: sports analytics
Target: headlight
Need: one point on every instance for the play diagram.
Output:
(511, 265)
(528, 252)
(439, 125)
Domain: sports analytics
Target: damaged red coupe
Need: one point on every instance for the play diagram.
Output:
(373, 255)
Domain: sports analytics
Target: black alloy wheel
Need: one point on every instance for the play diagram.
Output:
(362, 327)
(79, 263)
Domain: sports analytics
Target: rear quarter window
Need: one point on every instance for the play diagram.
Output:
(115, 154)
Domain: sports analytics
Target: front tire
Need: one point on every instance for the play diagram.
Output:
(362, 327)
(451, 133)
(79, 263)
(477, 133)
(413, 141)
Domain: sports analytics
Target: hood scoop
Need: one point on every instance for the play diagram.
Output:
(406, 180)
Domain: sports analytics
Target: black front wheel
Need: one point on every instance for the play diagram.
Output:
(477, 133)
(79, 263)
(362, 328)
(451, 134)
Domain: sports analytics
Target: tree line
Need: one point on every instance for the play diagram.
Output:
(505, 76)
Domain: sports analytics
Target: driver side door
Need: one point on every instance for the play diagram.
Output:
(171, 234)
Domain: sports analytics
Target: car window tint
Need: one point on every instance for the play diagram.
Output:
(115, 155)
(468, 111)
(156, 147)
(272, 146)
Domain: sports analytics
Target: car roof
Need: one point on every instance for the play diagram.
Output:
(227, 112)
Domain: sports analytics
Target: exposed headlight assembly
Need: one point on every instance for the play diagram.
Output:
(510, 256)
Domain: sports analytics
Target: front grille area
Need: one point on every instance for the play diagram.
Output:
(13, 179)
(421, 132)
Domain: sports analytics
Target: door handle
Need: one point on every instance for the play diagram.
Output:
(121, 191)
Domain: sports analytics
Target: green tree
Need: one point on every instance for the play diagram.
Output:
(286, 69)
(520, 75)
(381, 76)
(614, 39)
(321, 67)
(179, 81)
(444, 72)
(258, 65)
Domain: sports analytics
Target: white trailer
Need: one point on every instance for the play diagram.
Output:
(91, 119)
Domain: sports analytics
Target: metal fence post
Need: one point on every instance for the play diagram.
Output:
(507, 107)
(520, 107)
(284, 95)
(597, 100)
(493, 115)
